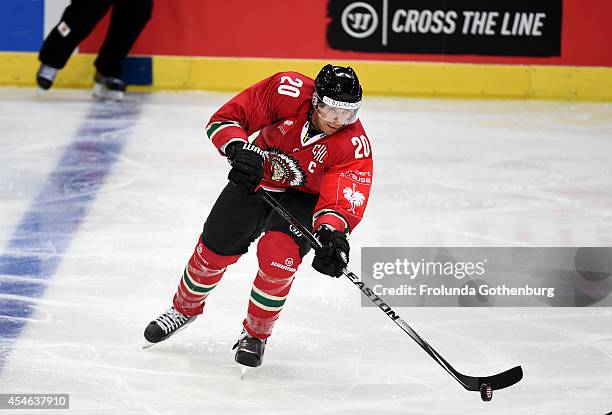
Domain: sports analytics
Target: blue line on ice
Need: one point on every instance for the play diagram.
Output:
(48, 226)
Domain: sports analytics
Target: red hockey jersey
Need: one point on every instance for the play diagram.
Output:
(338, 167)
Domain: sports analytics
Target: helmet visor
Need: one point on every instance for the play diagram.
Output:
(336, 112)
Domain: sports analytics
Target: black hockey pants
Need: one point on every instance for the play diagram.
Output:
(236, 219)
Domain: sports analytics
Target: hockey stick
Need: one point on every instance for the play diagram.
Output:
(485, 385)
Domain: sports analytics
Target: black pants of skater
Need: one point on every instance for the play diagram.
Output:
(236, 219)
(128, 19)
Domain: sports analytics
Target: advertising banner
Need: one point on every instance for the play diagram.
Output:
(476, 27)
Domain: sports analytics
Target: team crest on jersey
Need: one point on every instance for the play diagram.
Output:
(286, 169)
(286, 126)
(354, 197)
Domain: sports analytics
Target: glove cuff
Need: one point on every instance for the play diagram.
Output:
(232, 148)
(254, 149)
(324, 233)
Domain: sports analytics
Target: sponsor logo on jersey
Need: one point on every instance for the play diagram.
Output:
(285, 169)
(358, 176)
(286, 126)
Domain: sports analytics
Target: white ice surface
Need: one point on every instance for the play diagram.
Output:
(447, 173)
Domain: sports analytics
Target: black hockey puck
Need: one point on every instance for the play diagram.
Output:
(486, 392)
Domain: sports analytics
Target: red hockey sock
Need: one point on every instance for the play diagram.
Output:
(279, 257)
(202, 273)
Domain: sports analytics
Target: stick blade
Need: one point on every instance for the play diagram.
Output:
(498, 381)
(505, 379)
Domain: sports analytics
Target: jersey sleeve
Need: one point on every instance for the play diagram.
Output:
(344, 194)
(251, 110)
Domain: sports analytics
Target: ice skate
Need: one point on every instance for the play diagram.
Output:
(249, 350)
(108, 88)
(164, 326)
(44, 77)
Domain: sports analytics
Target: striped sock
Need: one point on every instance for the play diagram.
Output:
(268, 296)
(202, 273)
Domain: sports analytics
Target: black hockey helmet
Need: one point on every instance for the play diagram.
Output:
(337, 88)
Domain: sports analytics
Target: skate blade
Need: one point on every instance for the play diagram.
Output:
(243, 371)
(147, 344)
(40, 92)
(102, 93)
(98, 91)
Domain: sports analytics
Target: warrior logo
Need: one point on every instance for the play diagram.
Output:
(354, 197)
(286, 169)
(295, 231)
(359, 20)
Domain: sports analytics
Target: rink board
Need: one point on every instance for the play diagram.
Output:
(378, 78)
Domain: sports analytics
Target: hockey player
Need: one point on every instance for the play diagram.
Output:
(313, 155)
(128, 19)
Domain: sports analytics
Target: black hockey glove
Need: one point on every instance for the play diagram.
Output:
(247, 165)
(333, 257)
